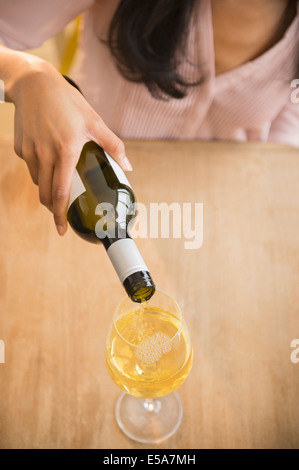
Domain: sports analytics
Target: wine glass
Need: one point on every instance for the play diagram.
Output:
(149, 355)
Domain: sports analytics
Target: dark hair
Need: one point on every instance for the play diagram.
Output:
(148, 39)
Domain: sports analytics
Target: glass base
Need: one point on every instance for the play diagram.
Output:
(150, 421)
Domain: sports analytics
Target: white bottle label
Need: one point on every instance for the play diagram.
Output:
(118, 171)
(77, 188)
(125, 257)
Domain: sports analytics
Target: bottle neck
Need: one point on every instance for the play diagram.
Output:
(126, 258)
(112, 237)
(130, 267)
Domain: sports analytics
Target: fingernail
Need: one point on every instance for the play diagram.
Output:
(60, 229)
(126, 164)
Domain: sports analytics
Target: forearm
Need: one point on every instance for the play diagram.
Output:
(14, 67)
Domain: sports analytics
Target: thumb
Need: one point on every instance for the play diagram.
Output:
(112, 144)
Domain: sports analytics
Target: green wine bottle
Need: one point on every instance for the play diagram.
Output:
(100, 208)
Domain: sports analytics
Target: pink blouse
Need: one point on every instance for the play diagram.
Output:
(251, 102)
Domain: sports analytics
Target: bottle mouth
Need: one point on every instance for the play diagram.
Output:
(139, 286)
(142, 295)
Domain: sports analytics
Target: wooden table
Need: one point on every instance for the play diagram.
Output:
(239, 293)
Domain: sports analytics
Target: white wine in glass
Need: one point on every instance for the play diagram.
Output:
(149, 355)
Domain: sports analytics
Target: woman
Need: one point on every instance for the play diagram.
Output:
(192, 69)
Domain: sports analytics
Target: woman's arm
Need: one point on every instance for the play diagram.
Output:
(52, 123)
(25, 24)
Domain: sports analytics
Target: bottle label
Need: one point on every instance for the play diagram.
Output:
(77, 188)
(125, 257)
(118, 171)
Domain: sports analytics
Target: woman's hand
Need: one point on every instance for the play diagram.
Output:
(52, 123)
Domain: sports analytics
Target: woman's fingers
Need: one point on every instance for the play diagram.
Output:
(112, 144)
(26, 151)
(61, 185)
(45, 180)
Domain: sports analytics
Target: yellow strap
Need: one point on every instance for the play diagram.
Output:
(70, 48)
